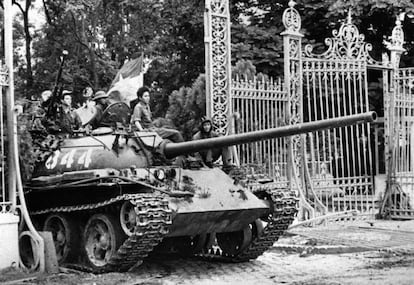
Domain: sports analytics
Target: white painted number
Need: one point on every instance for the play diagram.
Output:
(85, 158)
(67, 159)
(51, 162)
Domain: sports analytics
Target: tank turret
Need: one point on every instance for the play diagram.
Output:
(174, 149)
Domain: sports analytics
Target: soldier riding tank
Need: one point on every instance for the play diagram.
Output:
(111, 197)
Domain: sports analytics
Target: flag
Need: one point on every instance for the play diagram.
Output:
(131, 68)
(127, 81)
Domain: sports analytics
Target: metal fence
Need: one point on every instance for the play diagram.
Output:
(261, 104)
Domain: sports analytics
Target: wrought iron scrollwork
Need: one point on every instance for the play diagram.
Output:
(346, 44)
(220, 61)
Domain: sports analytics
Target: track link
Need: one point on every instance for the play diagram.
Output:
(153, 219)
(285, 207)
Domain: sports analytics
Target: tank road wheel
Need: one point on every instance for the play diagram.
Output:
(232, 243)
(128, 218)
(65, 235)
(102, 237)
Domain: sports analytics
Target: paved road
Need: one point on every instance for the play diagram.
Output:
(387, 257)
(372, 267)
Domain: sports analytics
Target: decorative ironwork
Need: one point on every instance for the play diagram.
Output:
(219, 71)
(219, 6)
(395, 45)
(291, 18)
(346, 44)
(397, 37)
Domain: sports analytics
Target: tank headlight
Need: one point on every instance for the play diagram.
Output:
(159, 174)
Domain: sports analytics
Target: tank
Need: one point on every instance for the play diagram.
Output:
(114, 196)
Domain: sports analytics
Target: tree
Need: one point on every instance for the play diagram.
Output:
(187, 106)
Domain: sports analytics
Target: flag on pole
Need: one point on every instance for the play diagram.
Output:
(127, 81)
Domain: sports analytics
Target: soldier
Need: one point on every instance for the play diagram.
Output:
(68, 119)
(211, 155)
(101, 102)
(142, 120)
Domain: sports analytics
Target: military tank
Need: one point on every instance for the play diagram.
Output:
(113, 196)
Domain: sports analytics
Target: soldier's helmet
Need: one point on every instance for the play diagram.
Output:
(99, 95)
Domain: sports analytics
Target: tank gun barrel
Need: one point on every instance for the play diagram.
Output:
(175, 149)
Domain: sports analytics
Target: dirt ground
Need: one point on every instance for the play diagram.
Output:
(378, 254)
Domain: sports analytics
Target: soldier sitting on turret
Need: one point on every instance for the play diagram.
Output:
(211, 155)
(142, 120)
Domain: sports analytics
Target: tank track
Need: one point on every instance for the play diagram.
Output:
(285, 208)
(153, 219)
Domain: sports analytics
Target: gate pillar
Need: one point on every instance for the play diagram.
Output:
(292, 47)
(218, 63)
(398, 131)
(395, 46)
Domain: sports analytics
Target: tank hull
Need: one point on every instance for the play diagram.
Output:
(216, 205)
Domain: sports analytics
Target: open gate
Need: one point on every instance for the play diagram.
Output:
(333, 170)
(334, 85)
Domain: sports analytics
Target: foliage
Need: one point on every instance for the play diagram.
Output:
(245, 69)
(26, 154)
(187, 106)
(261, 46)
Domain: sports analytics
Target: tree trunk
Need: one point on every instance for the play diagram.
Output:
(28, 40)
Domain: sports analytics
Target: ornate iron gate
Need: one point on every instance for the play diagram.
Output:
(332, 168)
(399, 127)
(334, 85)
